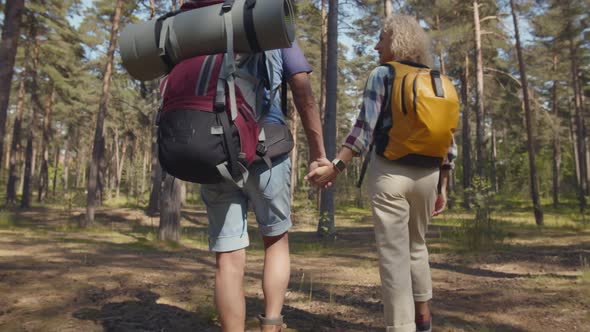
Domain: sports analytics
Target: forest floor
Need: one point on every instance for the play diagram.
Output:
(116, 277)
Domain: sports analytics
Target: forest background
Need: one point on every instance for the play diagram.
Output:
(77, 134)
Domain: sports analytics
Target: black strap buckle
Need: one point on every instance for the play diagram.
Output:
(227, 5)
(250, 4)
(219, 107)
(261, 150)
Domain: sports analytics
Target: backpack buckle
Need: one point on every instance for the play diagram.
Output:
(261, 150)
(227, 5)
(219, 107)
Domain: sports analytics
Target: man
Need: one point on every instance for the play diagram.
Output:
(268, 192)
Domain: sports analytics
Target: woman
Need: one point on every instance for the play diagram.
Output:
(403, 196)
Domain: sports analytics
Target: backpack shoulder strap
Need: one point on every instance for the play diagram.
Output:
(385, 105)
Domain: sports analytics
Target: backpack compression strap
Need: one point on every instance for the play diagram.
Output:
(234, 170)
(385, 105)
(161, 34)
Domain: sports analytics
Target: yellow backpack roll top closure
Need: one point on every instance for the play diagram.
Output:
(424, 114)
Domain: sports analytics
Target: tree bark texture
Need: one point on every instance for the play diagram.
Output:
(98, 146)
(29, 153)
(556, 165)
(13, 11)
(169, 229)
(466, 136)
(326, 222)
(578, 121)
(529, 124)
(15, 146)
(44, 171)
(479, 100)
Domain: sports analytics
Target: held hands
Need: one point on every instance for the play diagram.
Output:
(321, 173)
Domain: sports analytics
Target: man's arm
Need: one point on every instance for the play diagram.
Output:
(310, 115)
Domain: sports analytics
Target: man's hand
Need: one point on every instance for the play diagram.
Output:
(321, 173)
(441, 204)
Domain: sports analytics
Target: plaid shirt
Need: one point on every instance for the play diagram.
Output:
(361, 134)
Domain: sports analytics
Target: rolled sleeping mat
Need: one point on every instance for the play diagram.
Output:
(258, 25)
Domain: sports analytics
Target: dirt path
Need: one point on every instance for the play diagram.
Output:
(54, 277)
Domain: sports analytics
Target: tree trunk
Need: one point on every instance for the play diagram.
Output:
(387, 7)
(65, 176)
(466, 136)
(169, 229)
(144, 170)
(13, 11)
(97, 151)
(156, 177)
(44, 171)
(15, 147)
(580, 137)
(479, 100)
(119, 160)
(529, 124)
(324, 55)
(493, 175)
(55, 166)
(326, 223)
(441, 57)
(29, 158)
(152, 9)
(556, 139)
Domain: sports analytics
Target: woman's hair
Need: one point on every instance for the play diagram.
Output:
(409, 41)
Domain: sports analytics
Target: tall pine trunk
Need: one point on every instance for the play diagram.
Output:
(556, 165)
(36, 104)
(13, 11)
(55, 166)
(65, 174)
(387, 7)
(169, 229)
(326, 222)
(15, 146)
(466, 136)
(529, 124)
(98, 146)
(324, 56)
(579, 120)
(479, 100)
(44, 171)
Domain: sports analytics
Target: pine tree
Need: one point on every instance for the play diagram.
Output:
(97, 151)
(13, 11)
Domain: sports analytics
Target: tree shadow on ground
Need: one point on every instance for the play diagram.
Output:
(144, 314)
(493, 274)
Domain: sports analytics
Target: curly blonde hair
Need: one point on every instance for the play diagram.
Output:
(409, 41)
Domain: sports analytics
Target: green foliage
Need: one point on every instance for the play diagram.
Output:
(482, 232)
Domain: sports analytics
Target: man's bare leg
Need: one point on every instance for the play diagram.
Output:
(277, 270)
(229, 290)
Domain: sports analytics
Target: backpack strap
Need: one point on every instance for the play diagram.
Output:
(161, 34)
(384, 106)
(249, 26)
(234, 170)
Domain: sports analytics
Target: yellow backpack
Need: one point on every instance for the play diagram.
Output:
(424, 115)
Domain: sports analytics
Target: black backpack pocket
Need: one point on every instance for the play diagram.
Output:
(278, 141)
(191, 145)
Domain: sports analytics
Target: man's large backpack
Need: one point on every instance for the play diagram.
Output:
(418, 117)
(208, 129)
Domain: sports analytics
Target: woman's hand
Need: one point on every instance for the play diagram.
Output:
(441, 204)
(322, 176)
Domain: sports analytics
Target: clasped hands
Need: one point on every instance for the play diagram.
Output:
(322, 173)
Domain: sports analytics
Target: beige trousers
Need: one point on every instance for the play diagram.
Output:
(402, 199)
